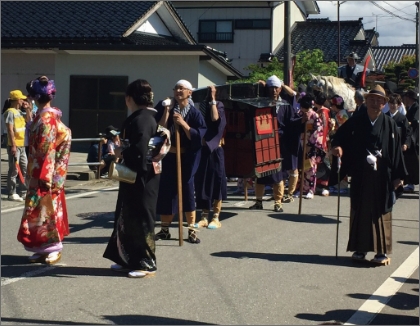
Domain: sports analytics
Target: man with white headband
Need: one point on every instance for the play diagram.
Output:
(180, 111)
(289, 132)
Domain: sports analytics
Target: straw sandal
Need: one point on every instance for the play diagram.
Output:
(53, 258)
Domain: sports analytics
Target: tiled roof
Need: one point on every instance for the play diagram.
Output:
(79, 22)
(385, 54)
(323, 34)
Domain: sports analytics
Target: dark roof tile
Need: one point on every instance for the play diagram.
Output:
(323, 34)
(79, 22)
(385, 54)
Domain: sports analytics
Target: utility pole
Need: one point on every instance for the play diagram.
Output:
(287, 44)
(417, 42)
(339, 32)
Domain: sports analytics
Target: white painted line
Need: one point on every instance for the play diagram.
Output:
(67, 198)
(26, 275)
(385, 292)
(240, 203)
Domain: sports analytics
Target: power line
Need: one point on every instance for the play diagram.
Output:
(398, 8)
(390, 12)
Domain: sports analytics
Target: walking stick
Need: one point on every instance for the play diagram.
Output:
(179, 183)
(338, 205)
(302, 175)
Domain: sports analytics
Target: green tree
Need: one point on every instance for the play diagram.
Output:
(312, 61)
(308, 61)
(258, 72)
(398, 72)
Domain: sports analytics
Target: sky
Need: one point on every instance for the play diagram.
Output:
(393, 31)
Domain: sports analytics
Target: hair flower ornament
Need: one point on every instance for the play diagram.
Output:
(338, 100)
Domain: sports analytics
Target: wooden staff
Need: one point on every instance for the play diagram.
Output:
(179, 183)
(302, 176)
(338, 205)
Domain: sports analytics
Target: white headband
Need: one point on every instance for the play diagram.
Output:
(273, 81)
(185, 83)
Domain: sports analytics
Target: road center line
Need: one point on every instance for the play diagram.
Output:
(385, 292)
(83, 194)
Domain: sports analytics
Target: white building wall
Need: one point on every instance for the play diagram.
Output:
(17, 69)
(209, 75)
(278, 23)
(162, 72)
(154, 25)
(248, 44)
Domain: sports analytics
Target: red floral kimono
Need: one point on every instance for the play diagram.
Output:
(44, 222)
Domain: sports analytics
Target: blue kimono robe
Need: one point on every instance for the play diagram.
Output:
(210, 180)
(167, 203)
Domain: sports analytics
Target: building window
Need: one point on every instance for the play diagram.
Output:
(218, 31)
(252, 24)
(95, 103)
(98, 92)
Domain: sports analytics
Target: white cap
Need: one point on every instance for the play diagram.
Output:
(185, 83)
(274, 81)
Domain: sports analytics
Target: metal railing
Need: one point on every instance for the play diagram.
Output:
(98, 172)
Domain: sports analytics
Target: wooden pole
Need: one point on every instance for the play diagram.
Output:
(302, 175)
(179, 183)
(338, 205)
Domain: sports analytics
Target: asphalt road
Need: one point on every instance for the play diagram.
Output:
(261, 267)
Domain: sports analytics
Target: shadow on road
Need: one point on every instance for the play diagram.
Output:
(116, 320)
(344, 261)
(97, 219)
(314, 219)
(19, 267)
(400, 301)
(344, 315)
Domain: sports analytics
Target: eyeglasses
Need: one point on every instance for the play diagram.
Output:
(180, 88)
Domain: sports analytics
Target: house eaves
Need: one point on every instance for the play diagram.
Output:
(308, 7)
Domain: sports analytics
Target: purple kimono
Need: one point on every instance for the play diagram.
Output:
(210, 180)
(167, 203)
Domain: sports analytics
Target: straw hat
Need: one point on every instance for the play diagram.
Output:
(376, 91)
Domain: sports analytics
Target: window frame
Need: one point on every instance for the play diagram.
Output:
(214, 39)
(252, 20)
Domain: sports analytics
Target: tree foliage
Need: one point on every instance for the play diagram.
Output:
(308, 61)
(398, 72)
(312, 61)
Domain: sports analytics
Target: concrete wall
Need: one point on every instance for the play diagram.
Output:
(162, 72)
(209, 75)
(19, 68)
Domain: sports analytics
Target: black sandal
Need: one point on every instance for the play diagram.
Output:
(192, 237)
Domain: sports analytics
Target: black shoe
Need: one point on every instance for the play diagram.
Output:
(163, 234)
(278, 208)
(192, 237)
(258, 205)
(287, 199)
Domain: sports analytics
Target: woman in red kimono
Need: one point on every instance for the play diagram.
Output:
(44, 222)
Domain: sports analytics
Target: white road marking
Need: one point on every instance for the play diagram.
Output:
(6, 281)
(83, 194)
(240, 203)
(385, 292)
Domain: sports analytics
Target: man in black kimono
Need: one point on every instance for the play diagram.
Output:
(352, 72)
(370, 147)
(411, 155)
